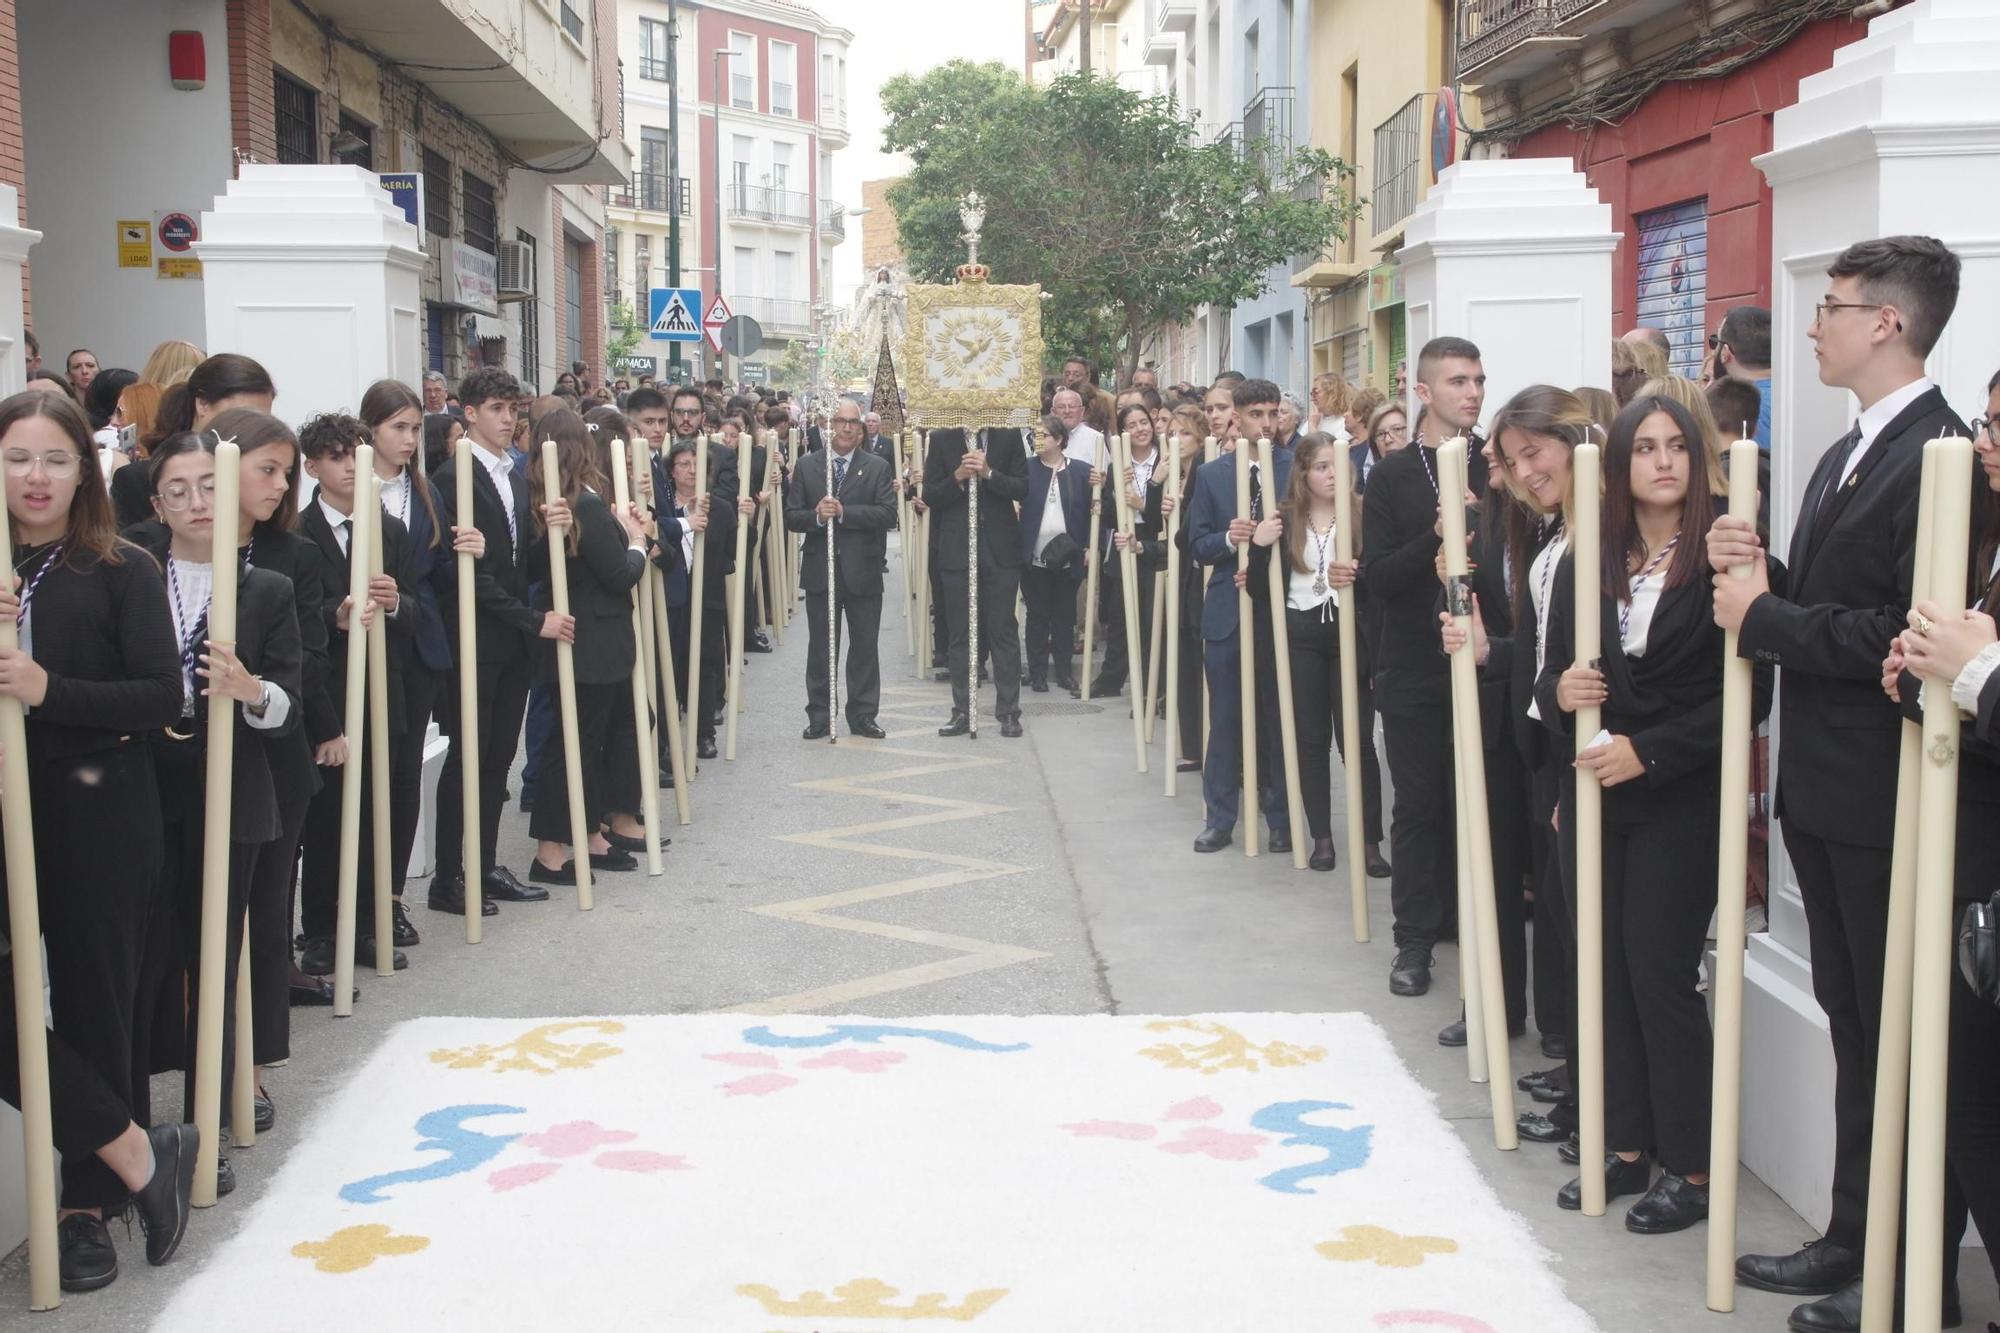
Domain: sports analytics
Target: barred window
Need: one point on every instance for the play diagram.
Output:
(437, 193)
(297, 117)
(482, 222)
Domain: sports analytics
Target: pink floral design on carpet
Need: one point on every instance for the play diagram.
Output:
(1193, 1140)
(772, 1077)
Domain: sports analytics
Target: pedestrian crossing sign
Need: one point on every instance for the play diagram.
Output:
(675, 314)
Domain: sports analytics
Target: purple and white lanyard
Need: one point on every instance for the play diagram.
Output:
(49, 562)
(1625, 612)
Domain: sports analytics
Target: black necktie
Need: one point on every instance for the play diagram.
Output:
(1840, 451)
(347, 536)
(1256, 494)
(839, 474)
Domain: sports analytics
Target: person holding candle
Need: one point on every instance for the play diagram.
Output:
(1191, 424)
(1144, 484)
(1659, 761)
(96, 669)
(1825, 626)
(264, 674)
(1400, 521)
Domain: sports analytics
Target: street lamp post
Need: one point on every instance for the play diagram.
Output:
(715, 205)
(673, 179)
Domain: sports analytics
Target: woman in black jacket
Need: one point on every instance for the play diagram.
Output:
(263, 674)
(1185, 638)
(1659, 760)
(605, 552)
(96, 670)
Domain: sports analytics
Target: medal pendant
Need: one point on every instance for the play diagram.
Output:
(1319, 586)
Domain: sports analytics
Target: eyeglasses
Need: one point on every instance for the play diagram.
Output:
(1820, 310)
(1714, 341)
(61, 465)
(178, 495)
(687, 411)
(1987, 426)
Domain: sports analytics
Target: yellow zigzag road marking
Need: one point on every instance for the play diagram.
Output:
(974, 955)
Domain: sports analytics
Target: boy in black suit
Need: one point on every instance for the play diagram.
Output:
(1844, 596)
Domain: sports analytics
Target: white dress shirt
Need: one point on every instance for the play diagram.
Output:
(1873, 420)
(1053, 519)
(191, 588)
(1299, 594)
(500, 467)
(397, 496)
(1086, 446)
(1541, 578)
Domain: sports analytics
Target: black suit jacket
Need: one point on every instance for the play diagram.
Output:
(602, 574)
(868, 508)
(1399, 568)
(999, 526)
(1146, 523)
(506, 624)
(333, 576)
(1827, 624)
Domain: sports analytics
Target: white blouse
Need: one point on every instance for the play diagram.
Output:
(1541, 582)
(1312, 589)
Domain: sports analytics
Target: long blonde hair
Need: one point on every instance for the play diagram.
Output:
(171, 362)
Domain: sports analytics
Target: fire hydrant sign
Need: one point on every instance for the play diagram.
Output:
(177, 231)
(135, 243)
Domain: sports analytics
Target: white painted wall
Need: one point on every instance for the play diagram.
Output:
(106, 136)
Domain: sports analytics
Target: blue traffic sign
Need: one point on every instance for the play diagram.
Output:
(675, 314)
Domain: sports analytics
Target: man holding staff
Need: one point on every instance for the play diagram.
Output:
(1214, 534)
(847, 499)
(999, 460)
(1843, 598)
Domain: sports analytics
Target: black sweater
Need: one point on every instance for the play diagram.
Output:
(105, 635)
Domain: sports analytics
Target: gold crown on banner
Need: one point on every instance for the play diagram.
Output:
(974, 272)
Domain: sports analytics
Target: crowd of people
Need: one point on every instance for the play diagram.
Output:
(114, 572)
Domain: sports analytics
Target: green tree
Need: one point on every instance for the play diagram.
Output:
(625, 334)
(1105, 198)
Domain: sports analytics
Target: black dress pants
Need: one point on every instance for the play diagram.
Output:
(88, 1113)
(999, 636)
(1422, 830)
(319, 881)
(94, 884)
(1509, 833)
(502, 704)
(1322, 739)
(605, 741)
(1047, 592)
(274, 878)
(1111, 596)
(1186, 640)
(862, 617)
(421, 687)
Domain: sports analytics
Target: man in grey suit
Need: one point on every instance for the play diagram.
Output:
(861, 508)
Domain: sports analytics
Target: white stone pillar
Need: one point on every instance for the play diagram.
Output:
(1900, 135)
(314, 272)
(1514, 254)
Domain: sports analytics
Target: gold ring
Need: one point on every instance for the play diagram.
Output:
(1922, 623)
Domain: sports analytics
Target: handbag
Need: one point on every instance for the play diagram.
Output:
(1059, 550)
(1979, 949)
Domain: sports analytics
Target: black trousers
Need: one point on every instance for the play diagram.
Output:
(87, 1111)
(97, 869)
(1111, 596)
(1222, 765)
(940, 617)
(1048, 594)
(1315, 646)
(1554, 970)
(1659, 893)
(1422, 829)
(421, 686)
(999, 637)
(273, 880)
(1509, 832)
(608, 746)
(319, 881)
(1972, 1125)
(863, 632)
(502, 704)
(1186, 640)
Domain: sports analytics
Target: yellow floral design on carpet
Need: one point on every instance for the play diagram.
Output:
(537, 1051)
(868, 1298)
(351, 1249)
(1226, 1049)
(1384, 1248)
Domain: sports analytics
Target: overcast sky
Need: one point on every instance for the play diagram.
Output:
(894, 37)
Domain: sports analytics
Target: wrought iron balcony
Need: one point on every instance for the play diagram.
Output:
(761, 203)
(1399, 165)
(653, 192)
(1489, 30)
(833, 219)
(775, 314)
(1267, 126)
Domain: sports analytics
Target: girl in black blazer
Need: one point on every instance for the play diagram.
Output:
(1659, 761)
(1062, 485)
(1185, 637)
(605, 551)
(96, 670)
(263, 674)
(1144, 482)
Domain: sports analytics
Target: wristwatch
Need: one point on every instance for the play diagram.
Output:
(263, 703)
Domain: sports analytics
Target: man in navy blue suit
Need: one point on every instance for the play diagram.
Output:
(1214, 533)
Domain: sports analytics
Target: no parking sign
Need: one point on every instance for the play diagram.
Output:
(177, 231)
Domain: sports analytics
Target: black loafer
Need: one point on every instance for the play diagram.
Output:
(1452, 1034)
(1410, 974)
(1555, 1046)
(705, 749)
(959, 725)
(616, 859)
(318, 994)
(316, 959)
(448, 895)
(1819, 1268)
(634, 845)
(1571, 1150)
(1010, 728)
(364, 955)
(88, 1260)
(541, 874)
(225, 1178)
(1039, 686)
(1279, 840)
(1212, 840)
(1841, 1312)
(1620, 1178)
(404, 931)
(1545, 1080)
(1537, 1128)
(868, 729)
(162, 1202)
(1323, 856)
(1674, 1203)
(1187, 766)
(816, 731)
(1377, 867)
(265, 1114)
(500, 885)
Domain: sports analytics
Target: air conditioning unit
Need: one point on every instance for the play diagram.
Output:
(517, 270)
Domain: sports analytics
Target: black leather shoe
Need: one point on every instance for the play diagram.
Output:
(88, 1260)
(1278, 840)
(1038, 686)
(364, 955)
(316, 959)
(1106, 689)
(1620, 1178)
(225, 1178)
(1547, 1086)
(1212, 840)
(162, 1202)
(666, 775)
(634, 845)
(1010, 728)
(1555, 1046)
(1675, 1203)
(317, 995)
(1819, 1268)
(1410, 974)
(1323, 856)
(448, 895)
(265, 1114)
(1064, 681)
(958, 726)
(541, 874)
(501, 886)
(1537, 1128)
(405, 931)
(1571, 1150)
(705, 749)
(1377, 867)
(615, 860)
(1841, 1312)
(1452, 1034)
(868, 729)
(1187, 766)
(758, 644)
(815, 731)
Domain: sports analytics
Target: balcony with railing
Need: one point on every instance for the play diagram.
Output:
(1267, 127)
(1400, 164)
(776, 315)
(832, 114)
(833, 219)
(655, 192)
(654, 68)
(1500, 40)
(761, 203)
(1230, 136)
